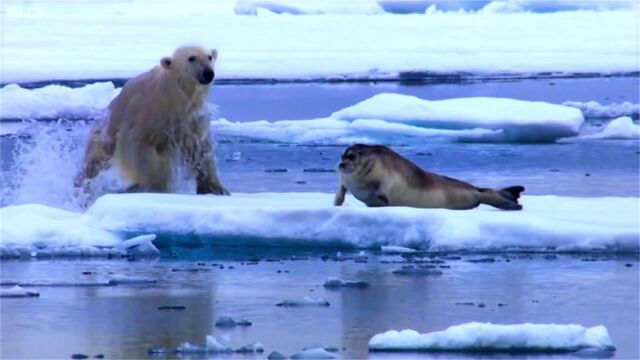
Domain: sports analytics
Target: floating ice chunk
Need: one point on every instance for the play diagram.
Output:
(131, 280)
(17, 292)
(308, 219)
(250, 348)
(389, 249)
(518, 120)
(213, 345)
(274, 355)
(593, 109)
(139, 246)
(297, 7)
(33, 228)
(619, 129)
(56, 101)
(333, 282)
(314, 353)
(490, 337)
(227, 322)
(305, 301)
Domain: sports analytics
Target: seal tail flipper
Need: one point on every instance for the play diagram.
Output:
(505, 199)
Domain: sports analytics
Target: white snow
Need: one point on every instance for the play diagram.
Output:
(314, 353)
(517, 120)
(37, 228)
(17, 291)
(304, 301)
(593, 109)
(619, 129)
(490, 337)
(397, 250)
(68, 40)
(56, 101)
(547, 223)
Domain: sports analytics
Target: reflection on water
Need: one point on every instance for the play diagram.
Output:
(124, 322)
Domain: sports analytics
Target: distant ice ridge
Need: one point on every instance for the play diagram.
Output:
(437, 43)
(56, 101)
(488, 337)
(593, 109)
(391, 118)
(547, 223)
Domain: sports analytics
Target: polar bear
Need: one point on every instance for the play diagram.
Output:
(157, 118)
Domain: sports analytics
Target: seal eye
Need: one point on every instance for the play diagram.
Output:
(210, 57)
(192, 58)
(350, 157)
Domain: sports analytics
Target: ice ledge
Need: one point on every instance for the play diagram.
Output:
(548, 223)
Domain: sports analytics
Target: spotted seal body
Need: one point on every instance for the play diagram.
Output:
(378, 176)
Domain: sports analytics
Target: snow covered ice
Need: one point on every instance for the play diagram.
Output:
(259, 42)
(488, 337)
(547, 223)
(517, 120)
(622, 128)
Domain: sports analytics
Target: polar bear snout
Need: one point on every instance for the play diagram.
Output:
(206, 76)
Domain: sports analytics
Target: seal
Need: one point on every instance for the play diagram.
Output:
(378, 176)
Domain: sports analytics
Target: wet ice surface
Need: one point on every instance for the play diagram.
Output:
(123, 321)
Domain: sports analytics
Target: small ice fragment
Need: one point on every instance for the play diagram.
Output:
(314, 353)
(250, 348)
(305, 301)
(139, 246)
(131, 280)
(333, 282)
(276, 356)
(213, 345)
(17, 292)
(159, 351)
(397, 250)
(189, 348)
(227, 322)
(233, 157)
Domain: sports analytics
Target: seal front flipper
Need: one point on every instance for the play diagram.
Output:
(339, 199)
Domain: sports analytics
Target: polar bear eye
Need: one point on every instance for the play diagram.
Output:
(192, 58)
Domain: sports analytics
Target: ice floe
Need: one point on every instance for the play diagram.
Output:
(333, 282)
(593, 109)
(304, 301)
(390, 249)
(516, 120)
(32, 52)
(547, 223)
(17, 292)
(227, 322)
(488, 337)
(43, 230)
(56, 101)
(619, 129)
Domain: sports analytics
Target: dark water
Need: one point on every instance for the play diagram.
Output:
(124, 322)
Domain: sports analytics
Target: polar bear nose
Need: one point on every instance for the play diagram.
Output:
(207, 76)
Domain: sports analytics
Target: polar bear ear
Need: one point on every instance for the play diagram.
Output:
(214, 53)
(166, 62)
